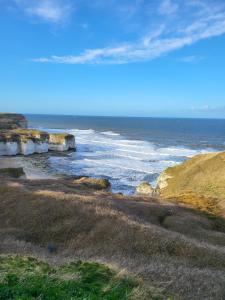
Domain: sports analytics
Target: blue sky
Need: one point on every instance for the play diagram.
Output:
(114, 57)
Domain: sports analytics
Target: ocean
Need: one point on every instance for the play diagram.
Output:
(129, 150)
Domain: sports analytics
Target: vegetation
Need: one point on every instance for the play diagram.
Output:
(198, 182)
(27, 278)
(171, 249)
(59, 138)
(174, 250)
(23, 135)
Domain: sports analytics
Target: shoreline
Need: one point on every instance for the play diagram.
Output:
(32, 171)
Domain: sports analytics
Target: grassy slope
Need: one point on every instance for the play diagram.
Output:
(170, 247)
(27, 278)
(199, 181)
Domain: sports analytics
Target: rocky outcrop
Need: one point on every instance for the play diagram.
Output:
(162, 181)
(145, 188)
(199, 182)
(12, 172)
(16, 139)
(12, 121)
(27, 141)
(92, 183)
(61, 142)
(23, 141)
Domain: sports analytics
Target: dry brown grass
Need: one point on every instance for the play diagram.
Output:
(198, 182)
(173, 248)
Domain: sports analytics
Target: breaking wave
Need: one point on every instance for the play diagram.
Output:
(124, 162)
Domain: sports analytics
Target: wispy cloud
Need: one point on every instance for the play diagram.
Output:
(191, 59)
(189, 23)
(54, 11)
(168, 7)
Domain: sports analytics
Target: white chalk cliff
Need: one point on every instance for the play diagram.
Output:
(27, 141)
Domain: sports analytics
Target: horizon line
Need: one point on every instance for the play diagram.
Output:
(122, 116)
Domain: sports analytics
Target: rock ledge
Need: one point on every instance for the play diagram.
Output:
(15, 138)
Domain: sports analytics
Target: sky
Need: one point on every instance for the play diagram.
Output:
(113, 58)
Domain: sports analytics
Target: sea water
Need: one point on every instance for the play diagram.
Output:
(128, 151)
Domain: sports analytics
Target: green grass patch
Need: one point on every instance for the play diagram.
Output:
(24, 278)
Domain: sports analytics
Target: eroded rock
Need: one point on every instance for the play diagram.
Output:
(145, 188)
(92, 183)
(23, 141)
(29, 141)
(162, 181)
(61, 142)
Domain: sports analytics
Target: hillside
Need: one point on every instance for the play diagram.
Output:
(172, 249)
(199, 181)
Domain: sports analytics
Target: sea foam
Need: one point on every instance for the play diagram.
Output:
(124, 162)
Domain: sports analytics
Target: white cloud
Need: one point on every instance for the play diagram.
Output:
(168, 7)
(54, 11)
(202, 23)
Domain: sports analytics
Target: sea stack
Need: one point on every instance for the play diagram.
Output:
(61, 142)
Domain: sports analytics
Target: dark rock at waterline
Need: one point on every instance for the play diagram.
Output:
(12, 172)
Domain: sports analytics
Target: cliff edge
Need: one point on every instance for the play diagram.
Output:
(199, 181)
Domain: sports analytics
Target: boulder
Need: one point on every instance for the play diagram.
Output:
(92, 183)
(145, 188)
(12, 172)
(61, 142)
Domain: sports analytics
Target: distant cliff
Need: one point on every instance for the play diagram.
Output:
(12, 121)
(15, 138)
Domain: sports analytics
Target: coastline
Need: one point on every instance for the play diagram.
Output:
(32, 171)
(155, 234)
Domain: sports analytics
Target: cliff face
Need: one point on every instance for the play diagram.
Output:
(23, 141)
(61, 142)
(27, 141)
(12, 121)
(199, 181)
